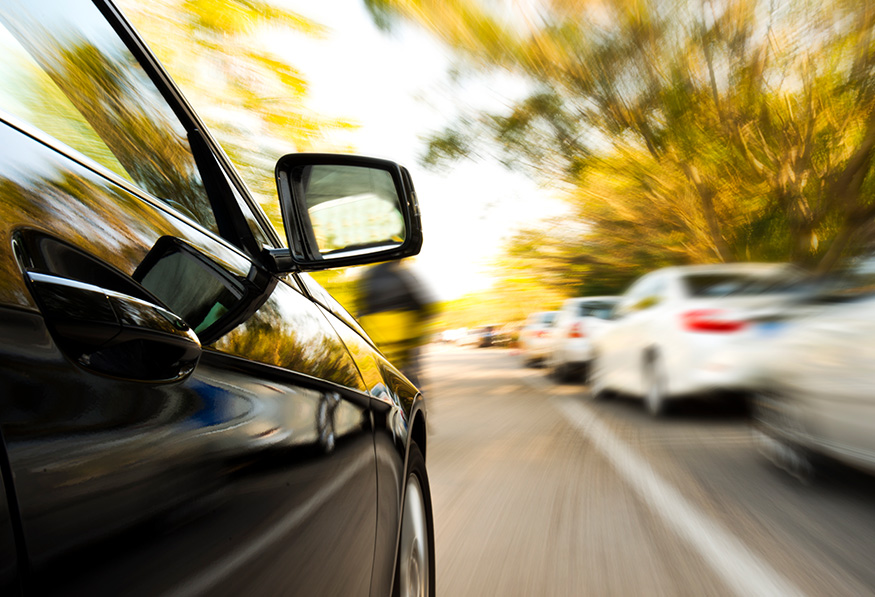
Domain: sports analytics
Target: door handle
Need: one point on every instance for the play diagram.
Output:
(115, 334)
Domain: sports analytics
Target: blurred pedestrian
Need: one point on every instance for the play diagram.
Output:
(394, 308)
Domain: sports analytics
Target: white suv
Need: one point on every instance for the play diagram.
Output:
(569, 349)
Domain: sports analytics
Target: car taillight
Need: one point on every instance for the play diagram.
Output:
(710, 320)
(576, 330)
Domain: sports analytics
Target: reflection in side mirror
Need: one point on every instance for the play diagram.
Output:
(350, 207)
(342, 210)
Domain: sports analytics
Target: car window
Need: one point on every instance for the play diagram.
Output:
(600, 309)
(855, 280)
(546, 318)
(629, 299)
(66, 72)
(646, 294)
(716, 285)
(201, 292)
(640, 288)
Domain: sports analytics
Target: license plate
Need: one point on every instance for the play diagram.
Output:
(770, 328)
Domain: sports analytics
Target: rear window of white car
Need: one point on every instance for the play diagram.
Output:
(545, 318)
(601, 309)
(735, 284)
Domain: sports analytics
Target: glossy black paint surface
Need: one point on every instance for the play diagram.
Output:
(176, 419)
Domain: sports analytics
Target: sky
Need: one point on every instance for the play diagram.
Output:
(395, 86)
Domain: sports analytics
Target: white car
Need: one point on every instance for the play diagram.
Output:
(569, 341)
(817, 376)
(534, 340)
(670, 328)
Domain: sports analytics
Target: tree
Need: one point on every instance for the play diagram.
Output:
(251, 98)
(684, 130)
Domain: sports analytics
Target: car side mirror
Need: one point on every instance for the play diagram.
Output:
(343, 210)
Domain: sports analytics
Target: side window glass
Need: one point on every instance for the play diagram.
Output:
(647, 295)
(66, 72)
(30, 94)
(631, 299)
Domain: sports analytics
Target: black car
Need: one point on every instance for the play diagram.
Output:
(183, 409)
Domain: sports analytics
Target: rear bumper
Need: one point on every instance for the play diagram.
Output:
(575, 352)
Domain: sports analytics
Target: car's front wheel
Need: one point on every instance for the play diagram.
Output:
(595, 378)
(655, 386)
(415, 576)
(776, 424)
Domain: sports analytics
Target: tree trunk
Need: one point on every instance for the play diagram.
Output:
(706, 200)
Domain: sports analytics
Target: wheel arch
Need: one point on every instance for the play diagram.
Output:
(418, 432)
(648, 357)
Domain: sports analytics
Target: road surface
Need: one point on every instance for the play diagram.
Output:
(540, 490)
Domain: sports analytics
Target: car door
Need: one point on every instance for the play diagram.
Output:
(835, 355)
(9, 573)
(397, 408)
(623, 343)
(165, 400)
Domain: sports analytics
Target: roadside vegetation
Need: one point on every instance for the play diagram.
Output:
(680, 131)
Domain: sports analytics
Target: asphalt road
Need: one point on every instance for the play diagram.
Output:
(540, 490)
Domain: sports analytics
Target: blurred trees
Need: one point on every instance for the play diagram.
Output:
(682, 131)
(226, 58)
(517, 293)
(251, 97)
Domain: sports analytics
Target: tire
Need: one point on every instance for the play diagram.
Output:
(767, 410)
(572, 374)
(562, 372)
(414, 572)
(655, 386)
(585, 372)
(559, 373)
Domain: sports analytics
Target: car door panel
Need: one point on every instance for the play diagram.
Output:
(10, 577)
(216, 467)
(837, 351)
(394, 403)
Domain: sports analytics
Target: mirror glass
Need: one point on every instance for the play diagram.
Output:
(351, 208)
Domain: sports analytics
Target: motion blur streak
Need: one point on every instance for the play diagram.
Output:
(209, 578)
(728, 557)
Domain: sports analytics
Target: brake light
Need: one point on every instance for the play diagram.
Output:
(576, 330)
(710, 320)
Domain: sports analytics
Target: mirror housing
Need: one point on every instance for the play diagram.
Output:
(344, 210)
